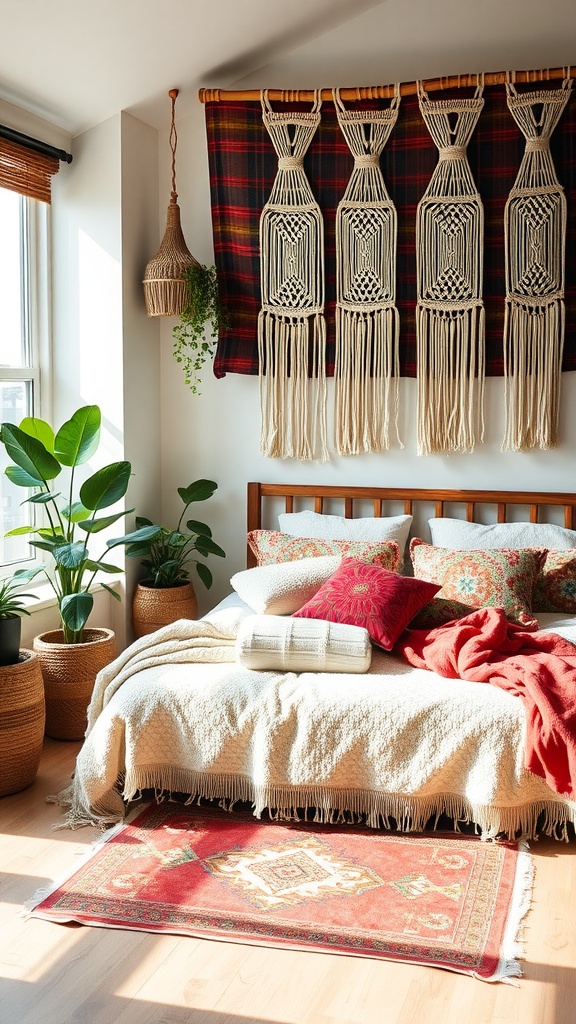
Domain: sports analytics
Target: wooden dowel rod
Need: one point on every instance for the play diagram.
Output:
(384, 92)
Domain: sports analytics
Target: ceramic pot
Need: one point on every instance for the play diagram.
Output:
(22, 715)
(153, 607)
(69, 671)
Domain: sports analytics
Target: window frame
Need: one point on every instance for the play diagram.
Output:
(35, 278)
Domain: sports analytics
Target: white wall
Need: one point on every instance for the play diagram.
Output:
(218, 434)
(106, 351)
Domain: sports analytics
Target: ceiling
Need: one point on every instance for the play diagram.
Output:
(77, 62)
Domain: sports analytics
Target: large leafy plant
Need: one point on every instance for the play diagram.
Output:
(166, 554)
(39, 456)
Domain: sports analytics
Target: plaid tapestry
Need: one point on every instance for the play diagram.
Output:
(242, 169)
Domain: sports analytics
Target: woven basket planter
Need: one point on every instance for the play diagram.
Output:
(69, 671)
(22, 715)
(153, 607)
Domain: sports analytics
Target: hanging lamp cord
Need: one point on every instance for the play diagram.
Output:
(173, 143)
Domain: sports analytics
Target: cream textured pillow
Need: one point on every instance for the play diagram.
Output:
(302, 645)
(281, 588)
(313, 524)
(456, 533)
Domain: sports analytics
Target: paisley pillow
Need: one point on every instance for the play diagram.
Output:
(438, 612)
(492, 578)
(272, 546)
(364, 594)
(555, 589)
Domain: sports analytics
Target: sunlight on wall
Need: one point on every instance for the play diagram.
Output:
(100, 340)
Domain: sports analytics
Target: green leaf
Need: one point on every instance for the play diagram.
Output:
(28, 574)
(204, 574)
(200, 490)
(110, 590)
(19, 531)
(78, 438)
(70, 556)
(75, 512)
(141, 521)
(30, 454)
(137, 536)
(96, 525)
(42, 498)
(206, 546)
(19, 477)
(92, 566)
(106, 486)
(200, 528)
(39, 429)
(75, 609)
(47, 545)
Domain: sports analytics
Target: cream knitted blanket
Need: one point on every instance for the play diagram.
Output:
(173, 714)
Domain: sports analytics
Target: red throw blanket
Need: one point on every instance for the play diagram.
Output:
(538, 667)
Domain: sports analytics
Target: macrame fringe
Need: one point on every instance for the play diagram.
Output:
(450, 398)
(533, 346)
(329, 805)
(366, 377)
(292, 386)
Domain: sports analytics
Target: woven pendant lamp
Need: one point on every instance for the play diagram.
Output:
(165, 285)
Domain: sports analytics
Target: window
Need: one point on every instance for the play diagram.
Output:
(23, 345)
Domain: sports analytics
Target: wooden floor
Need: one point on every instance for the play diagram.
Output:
(70, 974)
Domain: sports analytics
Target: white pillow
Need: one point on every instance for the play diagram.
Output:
(372, 529)
(456, 533)
(282, 588)
(269, 642)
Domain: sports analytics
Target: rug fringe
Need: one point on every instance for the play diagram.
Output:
(512, 946)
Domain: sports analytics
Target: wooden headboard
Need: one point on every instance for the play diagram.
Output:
(501, 504)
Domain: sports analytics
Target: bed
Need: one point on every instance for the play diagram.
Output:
(376, 735)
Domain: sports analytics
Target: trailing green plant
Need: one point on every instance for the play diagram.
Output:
(194, 344)
(12, 598)
(166, 554)
(39, 456)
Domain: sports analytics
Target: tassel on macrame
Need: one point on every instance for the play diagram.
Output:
(450, 313)
(291, 325)
(535, 241)
(366, 370)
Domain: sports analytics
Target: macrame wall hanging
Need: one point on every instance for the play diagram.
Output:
(291, 325)
(366, 370)
(535, 241)
(450, 314)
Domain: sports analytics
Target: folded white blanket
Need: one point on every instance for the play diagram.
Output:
(302, 645)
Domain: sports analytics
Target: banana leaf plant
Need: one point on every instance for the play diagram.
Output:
(166, 554)
(70, 521)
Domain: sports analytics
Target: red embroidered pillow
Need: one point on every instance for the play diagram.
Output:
(272, 546)
(364, 594)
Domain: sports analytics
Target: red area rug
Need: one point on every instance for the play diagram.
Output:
(443, 900)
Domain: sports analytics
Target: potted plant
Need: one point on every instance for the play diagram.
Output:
(72, 655)
(193, 345)
(167, 594)
(11, 609)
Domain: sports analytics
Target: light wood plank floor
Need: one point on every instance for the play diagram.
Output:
(69, 974)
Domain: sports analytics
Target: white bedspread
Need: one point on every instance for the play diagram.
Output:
(175, 714)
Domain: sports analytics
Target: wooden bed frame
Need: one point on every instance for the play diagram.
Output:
(476, 503)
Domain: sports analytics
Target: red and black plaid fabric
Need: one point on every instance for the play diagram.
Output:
(242, 169)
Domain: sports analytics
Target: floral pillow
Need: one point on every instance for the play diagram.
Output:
(364, 594)
(555, 589)
(272, 546)
(493, 578)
